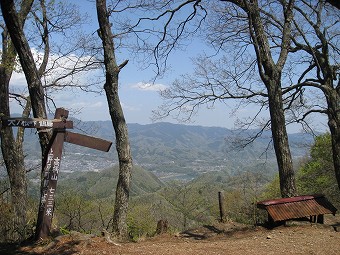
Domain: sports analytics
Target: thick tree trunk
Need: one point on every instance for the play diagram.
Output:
(333, 101)
(335, 136)
(14, 161)
(271, 74)
(117, 116)
(280, 140)
(325, 73)
(12, 153)
(12, 149)
(14, 25)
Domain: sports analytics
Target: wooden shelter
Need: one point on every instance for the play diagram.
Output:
(312, 206)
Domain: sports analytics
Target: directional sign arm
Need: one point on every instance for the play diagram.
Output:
(88, 141)
(36, 123)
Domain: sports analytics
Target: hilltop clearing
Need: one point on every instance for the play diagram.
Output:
(230, 238)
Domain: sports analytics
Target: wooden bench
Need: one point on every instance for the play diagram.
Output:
(283, 209)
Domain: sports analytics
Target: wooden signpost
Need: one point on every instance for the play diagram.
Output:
(51, 162)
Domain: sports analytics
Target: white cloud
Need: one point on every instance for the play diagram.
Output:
(149, 86)
(79, 105)
(97, 105)
(132, 108)
(18, 80)
(59, 66)
(86, 104)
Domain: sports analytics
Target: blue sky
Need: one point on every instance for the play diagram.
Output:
(139, 101)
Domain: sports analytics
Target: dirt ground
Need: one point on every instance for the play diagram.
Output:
(230, 238)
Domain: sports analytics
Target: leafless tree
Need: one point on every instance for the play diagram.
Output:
(18, 38)
(270, 65)
(316, 40)
(265, 26)
(64, 51)
(246, 23)
(118, 120)
(232, 77)
(45, 75)
(188, 201)
(11, 146)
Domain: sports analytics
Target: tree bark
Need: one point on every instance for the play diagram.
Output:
(14, 25)
(280, 140)
(118, 120)
(326, 74)
(331, 90)
(333, 112)
(11, 147)
(15, 29)
(12, 152)
(270, 73)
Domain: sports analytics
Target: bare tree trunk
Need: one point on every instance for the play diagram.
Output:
(280, 140)
(15, 29)
(333, 101)
(12, 152)
(13, 155)
(117, 116)
(36, 91)
(270, 73)
(323, 68)
(12, 149)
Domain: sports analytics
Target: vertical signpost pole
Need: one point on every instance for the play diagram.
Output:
(51, 166)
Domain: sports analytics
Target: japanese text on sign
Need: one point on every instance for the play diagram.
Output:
(29, 123)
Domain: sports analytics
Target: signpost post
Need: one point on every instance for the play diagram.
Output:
(51, 162)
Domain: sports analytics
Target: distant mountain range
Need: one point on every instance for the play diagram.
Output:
(175, 151)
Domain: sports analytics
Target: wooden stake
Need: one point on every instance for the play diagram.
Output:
(221, 206)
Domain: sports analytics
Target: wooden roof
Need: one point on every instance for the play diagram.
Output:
(297, 207)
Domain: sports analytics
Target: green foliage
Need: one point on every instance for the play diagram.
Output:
(76, 212)
(317, 174)
(85, 202)
(240, 206)
(8, 230)
(190, 201)
(314, 176)
(241, 192)
(321, 150)
(103, 184)
(272, 189)
(64, 230)
(141, 221)
(6, 226)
